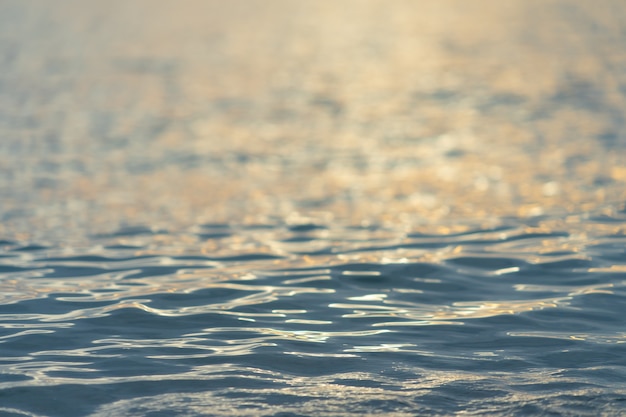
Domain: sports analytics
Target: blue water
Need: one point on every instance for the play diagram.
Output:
(520, 318)
(309, 208)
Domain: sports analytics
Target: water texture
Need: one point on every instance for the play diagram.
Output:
(312, 208)
(514, 319)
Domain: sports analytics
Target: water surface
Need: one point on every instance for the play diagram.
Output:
(312, 208)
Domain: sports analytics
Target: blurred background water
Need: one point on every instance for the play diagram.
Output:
(312, 208)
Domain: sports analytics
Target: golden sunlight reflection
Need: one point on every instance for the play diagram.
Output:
(571, 290)
(338, 395)
(370, 113)
(617, 338)
(457, 313)
(312, 207)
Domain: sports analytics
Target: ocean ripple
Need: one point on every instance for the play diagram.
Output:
(502, 313)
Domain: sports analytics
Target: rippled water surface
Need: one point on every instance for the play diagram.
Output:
(312, 208)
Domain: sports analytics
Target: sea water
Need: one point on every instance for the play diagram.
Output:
(514, 319)
(312, 208)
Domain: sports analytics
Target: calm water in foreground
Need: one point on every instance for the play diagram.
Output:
(312, 208)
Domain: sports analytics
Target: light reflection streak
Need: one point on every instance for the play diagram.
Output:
(322, 355)
(447, 314)
(599, 338)
(268, 295)
(39, 377)
(384, 347)
(24, 333)
(280, 334)
(571, 290)
(308, 321)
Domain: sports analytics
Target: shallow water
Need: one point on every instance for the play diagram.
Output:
(312, 208)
